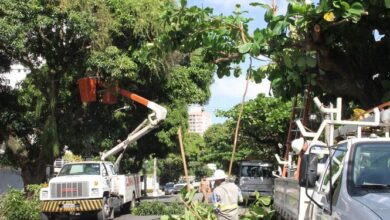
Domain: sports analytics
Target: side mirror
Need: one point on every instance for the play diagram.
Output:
(308, 170)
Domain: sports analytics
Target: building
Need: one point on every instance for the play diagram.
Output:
(198, 119)
(17, 74)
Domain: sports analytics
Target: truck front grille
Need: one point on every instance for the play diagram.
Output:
(69, 190)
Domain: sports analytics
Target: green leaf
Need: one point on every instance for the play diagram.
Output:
(297, 8)
(269, 14)
(311, 62)
(345, 5)
(301, 62)
(258, 36)
(387, 3)
(279, 27)
(356, 8)
(183, 3)
(244, 48)
(287, 61)
(266, 6)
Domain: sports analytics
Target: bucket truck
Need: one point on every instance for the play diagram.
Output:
(94, 187)
(348, 179)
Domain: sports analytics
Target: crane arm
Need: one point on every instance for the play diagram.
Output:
(159, 114)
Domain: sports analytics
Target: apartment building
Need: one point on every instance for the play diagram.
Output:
(198, 119)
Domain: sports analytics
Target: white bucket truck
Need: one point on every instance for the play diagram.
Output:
(348, 180)
(94, 187)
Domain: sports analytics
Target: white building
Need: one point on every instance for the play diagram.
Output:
(17, 74)
(198, 119)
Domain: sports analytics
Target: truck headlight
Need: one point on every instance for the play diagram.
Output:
(95, 192)
(44, 194)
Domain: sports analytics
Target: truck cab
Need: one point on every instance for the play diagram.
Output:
(90, 187)
(346, 180)
(357, 178)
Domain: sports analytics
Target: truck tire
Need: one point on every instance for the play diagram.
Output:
(46, 216)
(125, 208)
(107, 211)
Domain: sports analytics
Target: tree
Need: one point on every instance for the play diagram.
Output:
(62, 41)
(332, 45)
(263, 126)
(219, 141)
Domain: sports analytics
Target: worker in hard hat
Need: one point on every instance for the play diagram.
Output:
(225, 197)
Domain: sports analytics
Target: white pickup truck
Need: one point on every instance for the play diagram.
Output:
(348, 180)
(89, 188)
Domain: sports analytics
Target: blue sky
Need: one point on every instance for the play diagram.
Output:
(227, 92)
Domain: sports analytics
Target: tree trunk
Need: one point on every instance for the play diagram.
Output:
(33, 170)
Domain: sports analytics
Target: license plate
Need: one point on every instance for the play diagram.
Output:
(68, 206)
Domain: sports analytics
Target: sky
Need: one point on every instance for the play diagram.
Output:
(228, 91)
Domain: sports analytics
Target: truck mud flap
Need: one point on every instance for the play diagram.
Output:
(71, 205)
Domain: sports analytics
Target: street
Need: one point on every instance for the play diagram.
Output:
(164, 198)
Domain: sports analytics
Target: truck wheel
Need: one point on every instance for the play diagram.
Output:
(46, 216)
(107, 212)
(125, 208)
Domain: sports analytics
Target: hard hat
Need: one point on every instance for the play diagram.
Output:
(218, 175)
(297, 144)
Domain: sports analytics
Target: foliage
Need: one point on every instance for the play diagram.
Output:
(263, 126)
(70, 157)
(63, 41)
(158, 208)
(339, 47)
(219, 142)
(17, 204)
(260, 209)
(193, 209)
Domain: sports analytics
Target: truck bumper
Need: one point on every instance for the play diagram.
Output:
(59, 206)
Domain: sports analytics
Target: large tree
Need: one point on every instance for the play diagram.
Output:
(61, 41)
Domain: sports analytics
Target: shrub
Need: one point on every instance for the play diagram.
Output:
(17, 204)
(158, 208)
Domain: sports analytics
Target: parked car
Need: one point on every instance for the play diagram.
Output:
(179, 186)
(169, 188)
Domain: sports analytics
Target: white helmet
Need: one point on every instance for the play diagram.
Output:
(218, 175)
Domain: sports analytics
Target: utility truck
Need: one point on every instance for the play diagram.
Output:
(255, 176)
(347, 180)
(94, 187)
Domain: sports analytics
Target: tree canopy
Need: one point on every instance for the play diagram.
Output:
(62, 41)
(263, 127)
(340, 47)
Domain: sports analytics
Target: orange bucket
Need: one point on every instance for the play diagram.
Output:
(109, 97)
(87, 88)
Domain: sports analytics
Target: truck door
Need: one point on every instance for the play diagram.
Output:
(107, 177)
(330, 185)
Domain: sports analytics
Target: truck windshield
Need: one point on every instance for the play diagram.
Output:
(80, 169)
(371, 166)
(255, 171)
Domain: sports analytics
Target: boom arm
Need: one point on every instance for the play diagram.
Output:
(152, 121)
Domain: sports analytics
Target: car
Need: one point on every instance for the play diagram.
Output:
(169, 188)
(179, 186)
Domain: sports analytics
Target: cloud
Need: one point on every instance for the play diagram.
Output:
(228, 6)
(232, 88)
(228, 91)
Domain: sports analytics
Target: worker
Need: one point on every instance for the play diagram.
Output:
(225, 197)
(205, 189)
